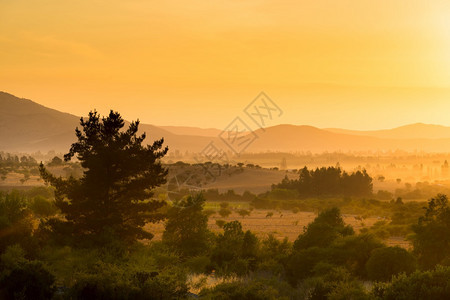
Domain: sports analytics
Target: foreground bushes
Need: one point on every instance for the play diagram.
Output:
(388, 261)
(253, 289)
(30, 280)
(327, 261)
(140, 285)
(434, 284)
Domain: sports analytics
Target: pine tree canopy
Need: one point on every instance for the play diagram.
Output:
(114, 194)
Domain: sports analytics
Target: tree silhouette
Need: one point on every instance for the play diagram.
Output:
(113, 197)
(432, 233)
(329, 181)
(187, 226)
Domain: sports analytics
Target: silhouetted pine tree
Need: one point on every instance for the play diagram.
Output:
(112, 198)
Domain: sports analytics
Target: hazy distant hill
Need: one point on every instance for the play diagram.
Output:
(28, 127)
(185, 130)
(308, 138)
(413, 131)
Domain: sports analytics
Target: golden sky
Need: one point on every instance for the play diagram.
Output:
(354, 64)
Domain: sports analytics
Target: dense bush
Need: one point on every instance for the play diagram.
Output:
(15, 220)
(255, 289)
(236, 251)
(353, 252)
(141, 285)
(388, 261)
(30, 280)
(300, 264)
(328, 226)
(433, 284)
(432, 233)
(186, 229)
(43, 207)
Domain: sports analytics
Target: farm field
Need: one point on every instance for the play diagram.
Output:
(283, 223)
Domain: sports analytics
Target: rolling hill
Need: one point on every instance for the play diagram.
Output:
(412, 131)
(26, 126)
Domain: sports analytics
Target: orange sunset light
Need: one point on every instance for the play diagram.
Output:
(352, 64)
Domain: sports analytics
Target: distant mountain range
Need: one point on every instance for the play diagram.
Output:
(412, 131)
(26, 126)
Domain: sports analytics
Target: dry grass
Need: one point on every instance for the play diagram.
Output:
(283, 223)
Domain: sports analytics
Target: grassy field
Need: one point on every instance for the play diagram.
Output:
(283, 223)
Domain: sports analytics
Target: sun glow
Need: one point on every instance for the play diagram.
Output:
(161, 55)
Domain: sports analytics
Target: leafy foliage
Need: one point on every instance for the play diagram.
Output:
(432, 233)
(389, 261)
(113, 195)
(328, 226)
(329, 181)
(30, 280)
(235, 251)
(433, 284)
(187, 227)
(15, 219)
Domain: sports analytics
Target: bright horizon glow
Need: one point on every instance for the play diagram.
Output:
(350, 64)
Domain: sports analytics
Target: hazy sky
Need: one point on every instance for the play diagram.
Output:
(354, 64)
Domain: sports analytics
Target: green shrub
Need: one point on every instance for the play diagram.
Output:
(243, 212)
(353, 252)
(434, 284)
(198, 264)
(301, 264)
(325, 228)
(209, 212)
(220, 223)
(348, 290)
(224, 212)
(253, 289)
(388, 261)
(30, 280)
(43, 207)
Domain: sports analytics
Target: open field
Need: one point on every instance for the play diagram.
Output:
(283, 223)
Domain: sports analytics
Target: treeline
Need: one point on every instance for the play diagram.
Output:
(10, 160)
(329, 181)
(230, 195)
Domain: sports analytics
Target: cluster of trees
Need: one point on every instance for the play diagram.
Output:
(329, 181)
(25, 165)
(28, 166)
(90, 246)
(10, 160)
(230, 195)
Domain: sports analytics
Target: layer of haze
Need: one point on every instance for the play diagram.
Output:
(353, 64)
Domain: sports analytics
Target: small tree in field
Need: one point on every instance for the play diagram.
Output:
(112, 198)
(187, 226)
(244, 212)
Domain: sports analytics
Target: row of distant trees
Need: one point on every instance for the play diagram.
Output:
(9, 160)
(331, 181)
